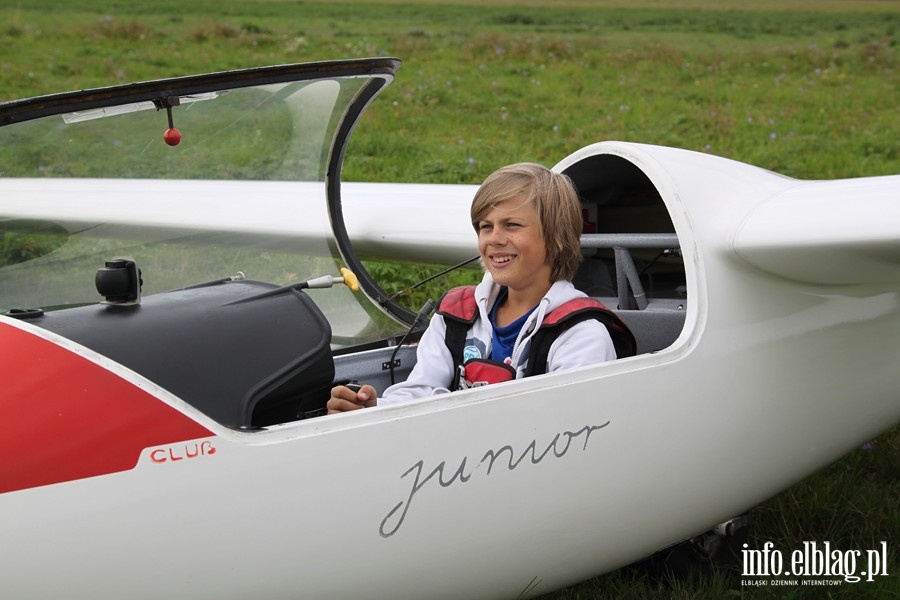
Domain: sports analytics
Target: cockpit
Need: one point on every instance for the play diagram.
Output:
(183, 258)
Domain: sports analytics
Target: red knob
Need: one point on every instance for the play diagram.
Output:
(172, 137)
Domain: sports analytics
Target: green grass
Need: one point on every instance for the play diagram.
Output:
(808, 93)
(805, 89)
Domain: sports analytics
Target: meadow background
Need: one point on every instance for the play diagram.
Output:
(806, 88)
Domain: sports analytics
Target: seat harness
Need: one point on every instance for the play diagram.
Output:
(460, 310)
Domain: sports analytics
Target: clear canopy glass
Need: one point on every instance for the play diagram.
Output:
(238, 191)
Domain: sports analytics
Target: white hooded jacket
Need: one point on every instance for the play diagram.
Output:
(585, 343)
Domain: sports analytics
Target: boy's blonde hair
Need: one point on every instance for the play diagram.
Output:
(553, 197)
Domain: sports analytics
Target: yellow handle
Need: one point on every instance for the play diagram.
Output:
(350, 279)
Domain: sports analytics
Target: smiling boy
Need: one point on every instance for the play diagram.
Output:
(528, 221)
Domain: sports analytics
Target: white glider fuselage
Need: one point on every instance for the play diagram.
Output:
(137, 459)
(518, 487)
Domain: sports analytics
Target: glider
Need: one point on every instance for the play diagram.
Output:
(176, 300)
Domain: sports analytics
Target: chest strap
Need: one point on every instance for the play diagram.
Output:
(460, 310)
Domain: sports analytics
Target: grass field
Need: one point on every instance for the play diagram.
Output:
(805, 88)
(488, 85)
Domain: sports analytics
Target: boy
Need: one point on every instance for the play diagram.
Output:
(528, 221)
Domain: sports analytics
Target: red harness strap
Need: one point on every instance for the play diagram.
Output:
(459, 308)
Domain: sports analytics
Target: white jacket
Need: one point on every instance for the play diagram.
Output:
(585, 343)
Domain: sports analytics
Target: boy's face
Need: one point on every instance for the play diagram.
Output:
(511, 243)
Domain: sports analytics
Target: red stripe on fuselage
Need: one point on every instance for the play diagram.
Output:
(63, 417)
